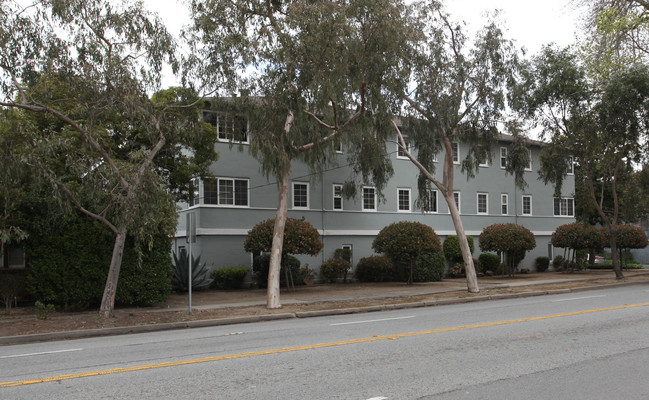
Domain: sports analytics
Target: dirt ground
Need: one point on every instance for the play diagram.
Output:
(23, 321)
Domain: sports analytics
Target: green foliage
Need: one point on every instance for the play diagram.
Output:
(375, 269)
(333, 269)
(559, 263)
(542, 264)
(511, 239)
(43, 311)
(69, 262)
(628, 237)
(300, 237)
(430, 267)
(578, 236)
(229, 277)
(200, 273)
(10, 286)
(261, 264)
(490, 262)
(457, 270)
(452, 249)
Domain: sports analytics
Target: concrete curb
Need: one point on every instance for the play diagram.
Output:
(68, 335)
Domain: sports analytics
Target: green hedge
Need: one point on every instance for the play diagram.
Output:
(261, 264)
(375, 269)
(333, 269)
(490, 262)
(69, 264)
(452, 250)
(430, 267)
(229, 277)
(542, 264)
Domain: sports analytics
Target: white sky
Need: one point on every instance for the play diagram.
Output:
(530, 23)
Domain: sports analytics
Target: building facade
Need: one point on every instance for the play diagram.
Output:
(239, 197)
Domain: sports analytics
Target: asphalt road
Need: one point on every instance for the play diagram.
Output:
(591, 345)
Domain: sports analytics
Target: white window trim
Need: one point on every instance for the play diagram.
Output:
(571, 165)
(503, 157)
(436, 202)
(408, 148)
(218, 194)
(456, 153)
(523, 197)
(484, 164)
(505, 197)
(459, 201)
(529, 166)
(399, 200)
(338, 146)
(363, 199)
(478, 203)
(342, 202)
(225, 140)
(562, 215)
(308, 197)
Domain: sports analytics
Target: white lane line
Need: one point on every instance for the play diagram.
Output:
(40, 354)
(579, 298)
(378, 398)
(371, 320)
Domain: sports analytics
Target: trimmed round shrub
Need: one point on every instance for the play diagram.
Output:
(375, 269)
(510, 239)
(452, 250)
(490, 262)
(300, 237)
(578, 236)
(542, 264)
(229, 277)
(261, 264)
(333, 269)
(430, 267)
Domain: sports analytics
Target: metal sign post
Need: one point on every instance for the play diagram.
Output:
(191, 238)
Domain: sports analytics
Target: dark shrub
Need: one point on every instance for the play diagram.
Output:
(558, 263)
(452, 250)
(333, 269)
(430, 267)
(200, 273)
(261, 264)
(374, 269)
(490, 262)
(229, 277)
(542, 264)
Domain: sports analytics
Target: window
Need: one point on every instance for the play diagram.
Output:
(429, 203)
(226, 192)
(527, 205)
(300, 195)
(194, 193)
(456, 152)
(484, 164)
(369, 198)
(503, 157)
(483, 206)
(504, 204)
(403, 200)
(456, 197)
(400, 152)
(571, 166)
(564, 207)
(338, 197)
(351, 252)
(338, 146)
(529, 165)
(229, 126)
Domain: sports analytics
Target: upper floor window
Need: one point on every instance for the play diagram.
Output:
(504, 204)
(300, 195)
(403, 200)
(527, 205)
(456, 152)
(571, 166)
(564, 207)
(429, 204)
(369, 198)
(503, 157)
(338, 145)
(226, 191)
(529, 164)
(232, 127)
(338, 197)
(194, 192)
(400, 152)
(456, 197)
(483, 203)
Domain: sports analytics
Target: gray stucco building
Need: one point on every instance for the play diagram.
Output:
(240, 196)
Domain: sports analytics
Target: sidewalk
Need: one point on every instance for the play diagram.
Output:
(215, 307)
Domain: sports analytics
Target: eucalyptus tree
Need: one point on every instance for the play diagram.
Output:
(80, 75)
(459, 96)
(307, 74)
(603, 128)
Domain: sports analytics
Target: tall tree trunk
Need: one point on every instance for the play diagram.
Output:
(467, 257)
(108, 300)
(614, 253)
(272, 292)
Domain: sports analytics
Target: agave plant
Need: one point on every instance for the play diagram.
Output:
(200, 273)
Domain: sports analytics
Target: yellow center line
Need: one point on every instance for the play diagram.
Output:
(307, 347)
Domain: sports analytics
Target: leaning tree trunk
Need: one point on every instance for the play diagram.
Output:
(272, 292)
(614, 253)
(467, 257)
(108, 300)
